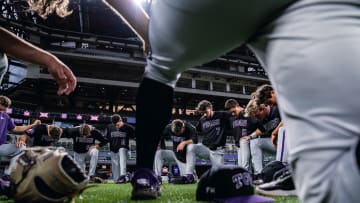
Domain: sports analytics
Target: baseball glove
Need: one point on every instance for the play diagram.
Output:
(44, 174)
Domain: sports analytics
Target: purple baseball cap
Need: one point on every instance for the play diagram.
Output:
(228, 184)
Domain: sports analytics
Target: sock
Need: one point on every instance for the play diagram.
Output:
(154, 102)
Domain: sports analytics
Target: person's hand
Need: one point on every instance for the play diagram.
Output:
(274, 139)
(91, 127)
(247, 137)
(63, 76)
(20, 143)
(180, 147)
(93, 147)
(37, 122)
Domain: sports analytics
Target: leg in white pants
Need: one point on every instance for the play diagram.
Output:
(258, 146)
(238, 150)
(319, 101)
(193, 151)
(115, 165)
(199, 150)
(256, 155)
(245, 154)
(217, 157)
(10, 150)
(94, 155)
(80, 159)
(162, 155)
(123, 160)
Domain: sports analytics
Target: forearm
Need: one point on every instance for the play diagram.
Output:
(255, 134)
(22, 128)
(276, 130)
(186, 142)
(133, 15)
(19, 48)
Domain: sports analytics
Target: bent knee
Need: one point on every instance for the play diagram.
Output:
(191, 147)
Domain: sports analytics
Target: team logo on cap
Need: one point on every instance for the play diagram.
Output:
(242, 179)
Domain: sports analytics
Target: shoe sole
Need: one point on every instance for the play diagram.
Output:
(144, 195)
(278, 192)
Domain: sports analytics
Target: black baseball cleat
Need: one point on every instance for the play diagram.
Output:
(159, 179)
(95, 179)
(183, 179)
(124, 179)
(145, 184)
(257, 179)
(282, 186)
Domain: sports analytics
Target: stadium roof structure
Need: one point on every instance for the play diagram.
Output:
(107, 58)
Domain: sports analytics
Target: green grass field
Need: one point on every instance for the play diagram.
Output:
(118, 193)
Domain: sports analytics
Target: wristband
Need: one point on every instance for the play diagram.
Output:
(253, 135)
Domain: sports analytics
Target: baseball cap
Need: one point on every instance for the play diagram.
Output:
(228, 184)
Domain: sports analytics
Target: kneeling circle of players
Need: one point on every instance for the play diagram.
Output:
(255, 131)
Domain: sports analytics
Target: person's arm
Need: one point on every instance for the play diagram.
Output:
(182, 144)
(22, 128)
(253, 135)
(131, 131)
(70, 132)
(99, 136)
(19, 48)
(193, 133)
(274, 134)
(136, 18)
(191, 138)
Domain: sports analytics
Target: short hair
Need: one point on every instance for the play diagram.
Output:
(263, 93)
(203, 105)
(85, 130)
(115, 118)
(55, 131)
(231, 103)
(5, 101)
(253, 108)
(47, 7)
(177, 125)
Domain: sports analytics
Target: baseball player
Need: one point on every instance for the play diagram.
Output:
(302, 44)
(44, 135)
(84, 137)
(181, 134)
(211, 126)
(265, 94)
(6, 124)
(269, 118)
(118, 134)
(241, 128)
